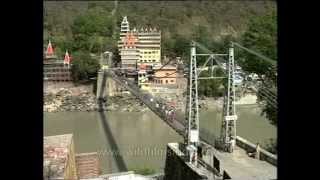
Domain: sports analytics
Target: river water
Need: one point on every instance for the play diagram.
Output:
(136, 140)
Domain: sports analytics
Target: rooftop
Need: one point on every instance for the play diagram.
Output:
(88, 165)
(166, 67)
(55, 154)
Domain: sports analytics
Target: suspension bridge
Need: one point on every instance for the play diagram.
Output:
(227, 155)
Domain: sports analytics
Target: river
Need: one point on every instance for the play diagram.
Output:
(141, 138)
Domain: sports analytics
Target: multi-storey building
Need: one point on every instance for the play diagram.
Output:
(139, 47)
(149, 46)
(127, 47)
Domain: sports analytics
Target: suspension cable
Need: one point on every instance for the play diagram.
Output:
(271, 61)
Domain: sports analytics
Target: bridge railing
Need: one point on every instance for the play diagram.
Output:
(250, 147)
(146, 99)
(205, 134)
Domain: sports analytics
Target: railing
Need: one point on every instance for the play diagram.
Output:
(250, 147)
(146, 99)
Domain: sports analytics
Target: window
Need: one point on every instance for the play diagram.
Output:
(172, 81)
(166, 81)
(161, 81)
(153, 60)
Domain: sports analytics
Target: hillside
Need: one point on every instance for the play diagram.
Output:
(188, 19)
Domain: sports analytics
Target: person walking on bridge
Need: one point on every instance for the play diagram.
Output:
(257, 154)
(232, 144)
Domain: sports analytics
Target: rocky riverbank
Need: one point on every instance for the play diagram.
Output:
(65, 99)
(57, 99)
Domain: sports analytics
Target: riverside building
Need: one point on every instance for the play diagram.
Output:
(55, 69)
(139, 47)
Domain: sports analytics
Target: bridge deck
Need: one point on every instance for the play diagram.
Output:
(240, 166)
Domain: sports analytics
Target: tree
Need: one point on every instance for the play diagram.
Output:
(181, 46)
(210, 87)
(84, 67)
(201, 35)
(91, 29)
(271, 146)
(116, 58)
(260, 36)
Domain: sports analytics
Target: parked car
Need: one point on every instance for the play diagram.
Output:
(252, 77)
(238, 80)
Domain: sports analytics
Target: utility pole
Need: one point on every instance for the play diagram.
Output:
(192, 108)
(228, 129)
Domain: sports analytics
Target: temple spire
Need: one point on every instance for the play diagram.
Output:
(49, 51)
(67, 58)
(125, 25)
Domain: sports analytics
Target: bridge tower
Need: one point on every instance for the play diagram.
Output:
(228, 129)
(192, 108)
(105, 85)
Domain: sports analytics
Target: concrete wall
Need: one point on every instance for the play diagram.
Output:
(71, 170)
(177, 169)
(250, 147)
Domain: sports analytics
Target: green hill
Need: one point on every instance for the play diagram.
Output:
(209, 20)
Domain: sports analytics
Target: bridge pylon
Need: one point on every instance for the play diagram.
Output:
(192, 108)
(105, 85)
(228, 129)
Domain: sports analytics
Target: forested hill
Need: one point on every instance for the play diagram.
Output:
(205, 21)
